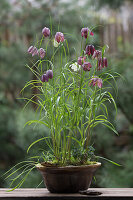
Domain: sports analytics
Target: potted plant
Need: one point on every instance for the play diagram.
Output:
(70, 97)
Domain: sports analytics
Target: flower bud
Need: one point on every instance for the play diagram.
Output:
(59, 37)
(42, 52)
(46, 32)
(44, 78)
(91, 33)
(84, 32)
(49, 74)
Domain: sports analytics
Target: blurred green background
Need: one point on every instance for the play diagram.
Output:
(20, 22)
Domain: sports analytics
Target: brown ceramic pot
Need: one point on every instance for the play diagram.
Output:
(69, 179)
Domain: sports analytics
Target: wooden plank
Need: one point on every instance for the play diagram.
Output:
(43, 194)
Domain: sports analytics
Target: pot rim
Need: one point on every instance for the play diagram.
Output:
(41, 166)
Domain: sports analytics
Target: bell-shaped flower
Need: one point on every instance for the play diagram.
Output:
(84, 32)
(46, 32)
(49, 74)
(42, 52)
(89, 49)
(75, 67)
(104, 62)
(97, 54)
(99, 83)
(44, 78)
(55, 43)
(81, 60)
(59, 37)
(30, 49)
(86, 66)
(99, 63)
(95, 81)
(33, 50)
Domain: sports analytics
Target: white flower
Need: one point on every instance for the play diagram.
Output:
(75, 67)
(56, 44)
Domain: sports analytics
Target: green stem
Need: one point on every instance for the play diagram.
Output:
(90, 116)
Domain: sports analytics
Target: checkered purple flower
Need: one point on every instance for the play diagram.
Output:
(95, 81)
(84, 32)
(33, 50)
(46, 32)
(42, 52)
(86, 66)
(89, 49)
(59, 37)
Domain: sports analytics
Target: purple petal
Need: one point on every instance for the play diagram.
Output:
(59, 37)
(46, 32)
(44, 78)
(30, 49)
(42, 52)
(49, 74)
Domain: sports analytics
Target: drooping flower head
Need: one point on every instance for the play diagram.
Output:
(89, 49)
(49, 74)
(84, 32)
(33, 50)
(97, 54)
(44, 78)
(46, 32)
(30, 49)
(55, 43)
(99, 63)
(86, 66)
(75, 67)
(99, 83)
(104, 62)
(59, 37)
(42, 52)
(81, 60)
(96, 81)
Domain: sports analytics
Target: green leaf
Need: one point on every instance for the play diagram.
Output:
(103, 49)
(108, 160)
(44, 138)
(113, 102)
(113, 129)
(35, 121)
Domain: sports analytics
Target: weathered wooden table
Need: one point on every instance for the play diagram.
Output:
(43, 194)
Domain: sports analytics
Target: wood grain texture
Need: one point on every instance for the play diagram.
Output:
(43, 194)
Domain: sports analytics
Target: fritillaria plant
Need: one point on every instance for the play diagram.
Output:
(72, 98)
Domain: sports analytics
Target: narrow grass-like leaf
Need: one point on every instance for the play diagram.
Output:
(108, 160)
(44, 138)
